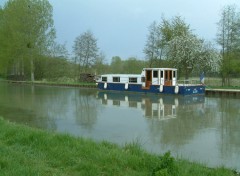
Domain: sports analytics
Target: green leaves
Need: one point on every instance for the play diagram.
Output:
(27, 32)
(173, 41)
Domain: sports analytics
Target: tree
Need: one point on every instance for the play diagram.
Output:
(116, 65)
(173, 43)
(133, 66)
(160, 35)
(86, 50)
(188, 53)
(100, 66)
(59, 50)
(228, 37)
(2, 48)
(28, 31)
(152, 49)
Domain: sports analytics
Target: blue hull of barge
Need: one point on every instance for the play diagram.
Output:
(183, 90)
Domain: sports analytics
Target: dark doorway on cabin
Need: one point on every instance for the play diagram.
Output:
(148, 78)
(168, 77)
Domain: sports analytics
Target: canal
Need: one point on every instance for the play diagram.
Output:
(198, 128)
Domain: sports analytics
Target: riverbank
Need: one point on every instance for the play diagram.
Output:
(80, 84)
(93, 84)
(28, 151)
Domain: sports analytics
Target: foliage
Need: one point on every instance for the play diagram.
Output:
(189, 53)
(166, 166)
(174, 42)
(131, 65)
(116, 65)
(100, 67)
(26, 34)
(58, 50)
(160, 35)
(228, 37)
(53, 69)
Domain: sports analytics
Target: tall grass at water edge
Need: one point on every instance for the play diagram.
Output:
(28, 151)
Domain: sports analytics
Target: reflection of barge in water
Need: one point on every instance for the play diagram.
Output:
(159, 107)
(151, 80)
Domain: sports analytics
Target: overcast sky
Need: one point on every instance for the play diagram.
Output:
(121, 26)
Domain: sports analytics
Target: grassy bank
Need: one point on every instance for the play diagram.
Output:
(48, 83)
(27, 151)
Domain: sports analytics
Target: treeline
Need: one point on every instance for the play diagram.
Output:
(28, 49)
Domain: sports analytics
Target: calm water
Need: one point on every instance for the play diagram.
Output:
(203, 129)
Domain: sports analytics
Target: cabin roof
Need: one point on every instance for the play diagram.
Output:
(122, 75)
(159, 69)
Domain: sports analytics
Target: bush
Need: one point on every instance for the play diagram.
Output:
(166, 166)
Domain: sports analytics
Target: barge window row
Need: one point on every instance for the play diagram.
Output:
(104, 78)
(133, 80)
(116, 79)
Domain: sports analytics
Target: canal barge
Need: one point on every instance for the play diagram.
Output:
(151, 80)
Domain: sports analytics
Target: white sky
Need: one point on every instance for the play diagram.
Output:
(121, 26)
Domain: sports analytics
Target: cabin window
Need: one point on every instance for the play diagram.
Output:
(143, 79)
(104, 79)
(116, 79)
(155, 74)
(132, 80)
(174, 74)
(161, 74)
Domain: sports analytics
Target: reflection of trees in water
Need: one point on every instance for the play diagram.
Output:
(42, 106)
(228, 125)
(70, 104)
(218, 113)
(18, 104)
(184, 127)
(86, 108)
(221, 114)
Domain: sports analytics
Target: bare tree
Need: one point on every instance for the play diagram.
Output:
(86, 50)
(152, 49)
(228, 37)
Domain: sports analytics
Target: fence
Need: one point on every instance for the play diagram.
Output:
(233, 81)
(216, 81)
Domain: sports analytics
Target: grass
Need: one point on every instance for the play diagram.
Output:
(223, 87)
(66, 83)
(28, 151)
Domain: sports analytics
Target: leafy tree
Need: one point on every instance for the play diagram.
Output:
(3, 61)
(86, 50)
(100, 66)
(188, 53)
(173, 43)
(54, 69)
(117, 65)
(28, 31)
(160, 35)
(228, 37)
(133, 66)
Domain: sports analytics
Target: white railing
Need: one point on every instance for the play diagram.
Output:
(188, 82)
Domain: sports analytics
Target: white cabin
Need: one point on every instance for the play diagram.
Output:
(159, 76)
(149, 76)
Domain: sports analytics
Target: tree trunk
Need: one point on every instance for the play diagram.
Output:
(32, 70)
